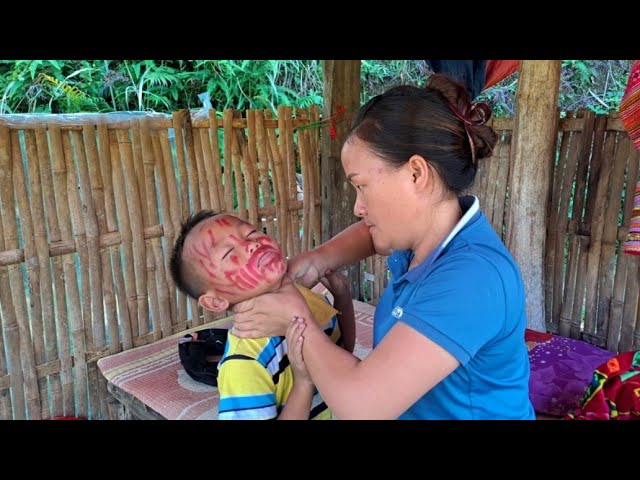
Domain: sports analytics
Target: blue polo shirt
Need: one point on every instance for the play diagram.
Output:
(468, 297)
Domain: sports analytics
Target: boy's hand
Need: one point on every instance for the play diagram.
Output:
(303, 269)
(294, 345)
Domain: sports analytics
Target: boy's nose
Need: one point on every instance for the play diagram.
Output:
(252, 246)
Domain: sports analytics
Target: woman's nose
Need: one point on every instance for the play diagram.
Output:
(359, 209)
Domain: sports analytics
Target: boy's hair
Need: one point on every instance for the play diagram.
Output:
(187, 283)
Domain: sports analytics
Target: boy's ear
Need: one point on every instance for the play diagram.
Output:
(213, 303)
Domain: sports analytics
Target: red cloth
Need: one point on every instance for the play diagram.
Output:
(498, 70)
(630, 115)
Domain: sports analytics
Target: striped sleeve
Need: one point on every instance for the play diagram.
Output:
(247, 391)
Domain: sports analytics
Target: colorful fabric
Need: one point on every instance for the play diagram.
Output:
(254, 374)
(498, 70)
(630, 115)
(631, 243)
(561, 370)
(614, 392)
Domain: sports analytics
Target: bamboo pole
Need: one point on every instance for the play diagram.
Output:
(5, 393)
(35, 241)
(72, 316)
(177, 119)
(217, 167)
(175, 209)
(127, 244)
(194, 175)
(24, 343)
(138, 166)
(315, 149)
(64, 182)
(581, 281)
(79, 232)
(213, 179)
(308, 193)
(203, 173)
(263, 164)
(135, 216)
(93, 242)
(167, 223)
(114, 264)
(249, 167)
(149, 159)
(280, 190)
(287, 155)
(51, 344)
(10, 327)
(106, 280)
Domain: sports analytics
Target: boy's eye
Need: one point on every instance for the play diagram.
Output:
(251, 233)
(227, 253)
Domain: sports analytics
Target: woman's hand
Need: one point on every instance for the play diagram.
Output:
(294, 345)
(269, 314)
(304, 269)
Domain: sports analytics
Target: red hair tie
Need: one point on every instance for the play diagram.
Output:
(478, 109)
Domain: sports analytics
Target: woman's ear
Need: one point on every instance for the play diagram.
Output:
(212, 303)
(419, 170)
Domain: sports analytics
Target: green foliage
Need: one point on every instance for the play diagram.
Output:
(69, 86)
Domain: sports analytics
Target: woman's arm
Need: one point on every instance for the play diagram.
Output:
(347, 247)
(401, 369)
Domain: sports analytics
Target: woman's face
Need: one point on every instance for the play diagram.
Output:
(383, 197)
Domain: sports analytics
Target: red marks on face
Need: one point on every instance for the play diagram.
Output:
(200, 250)
(209, 269)
(212, 240)
(224, 221)
(234, 259)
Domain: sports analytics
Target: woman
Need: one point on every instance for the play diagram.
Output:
(449, 328)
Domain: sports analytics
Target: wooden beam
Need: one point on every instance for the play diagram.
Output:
(341, 92)
(532, 150)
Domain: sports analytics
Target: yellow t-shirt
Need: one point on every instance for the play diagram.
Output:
(254, 374)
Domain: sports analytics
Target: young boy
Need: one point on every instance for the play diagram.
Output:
(221, 260)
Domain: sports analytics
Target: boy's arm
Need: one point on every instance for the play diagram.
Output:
(298, 405)
(339, 287)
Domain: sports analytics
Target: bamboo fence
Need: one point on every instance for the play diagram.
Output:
(90, 206)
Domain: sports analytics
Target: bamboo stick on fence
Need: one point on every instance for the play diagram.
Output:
(138, 165)
(75, 202)
(203, 173)
(584, 158)
(24, 344)
(493, 167)
(308, 193)
(581, 280)
(213, 179)
(174, 204)
(130, 329)
(5, 393)
(135, 215)
(177, 118)
(280, 189)
(93, 239)
(167, 223)
(227, 125)
(597, 152)
(194, 174)
(215, 158)
(35, 243)
(237, 172)
(10, 328)
(80, 375)
(285, 127)
(315, 150)
(69, 280)
(51, 343)
(156, 246)
(97, 190)
(250, 169)
(610, 234)
(263, 164)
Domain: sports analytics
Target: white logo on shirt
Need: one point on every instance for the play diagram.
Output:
(397, 312)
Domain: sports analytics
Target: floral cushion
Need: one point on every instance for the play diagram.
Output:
(561, 370)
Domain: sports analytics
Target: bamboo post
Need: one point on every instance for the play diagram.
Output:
(10, 326)
(126, 238)
(64, 183)
(263, 164)
(211, 164)
(167, 223)
(113, 257)
(315, 157)
(135, 215)
(177, 118)
(152, 208)
(534, 134)
(286, 141)
(203, 172)
(249, 168)
(73, 317)
(36, 248)
(24, 343)
(195, 183)
(51, 346)
(217, 166)
(175, 210)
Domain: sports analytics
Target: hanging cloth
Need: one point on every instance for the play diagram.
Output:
(469, 73)
(630, 115)
(498, 70)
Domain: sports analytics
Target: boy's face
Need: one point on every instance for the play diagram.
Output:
(234, 260)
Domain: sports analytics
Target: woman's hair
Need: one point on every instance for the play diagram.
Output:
(437, 122)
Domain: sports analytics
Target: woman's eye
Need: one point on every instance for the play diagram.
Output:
(359, 187)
